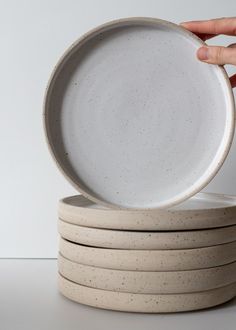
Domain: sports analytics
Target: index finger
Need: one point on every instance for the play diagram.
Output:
(216, 26)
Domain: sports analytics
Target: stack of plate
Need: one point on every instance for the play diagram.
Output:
(139, 126)
(177, 260)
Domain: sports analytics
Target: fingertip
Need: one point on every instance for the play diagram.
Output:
(203, 54)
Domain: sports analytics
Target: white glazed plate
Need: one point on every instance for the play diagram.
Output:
(133, 119)
(147, 282)
(204, 210)
(137, 240)
(150, 260)
(145, 303)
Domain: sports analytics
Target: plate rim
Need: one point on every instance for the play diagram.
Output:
(215, 277)
(230, 120)
(149, 260)
(145, 240)
(147, 220)
(121, 301)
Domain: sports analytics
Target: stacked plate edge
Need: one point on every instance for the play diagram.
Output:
(174, 260)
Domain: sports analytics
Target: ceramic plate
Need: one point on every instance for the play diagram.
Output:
(136, 240)
(134, 119)
(145, 303)
(204, 210)
(147, 282)
(150, 260)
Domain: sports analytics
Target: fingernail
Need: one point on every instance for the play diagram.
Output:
(203, 53)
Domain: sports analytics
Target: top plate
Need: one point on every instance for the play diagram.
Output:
(133, 119)
(203, 211)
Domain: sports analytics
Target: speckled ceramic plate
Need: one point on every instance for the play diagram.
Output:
(137, 240)
(145, 303)
(204, 210)
(134, 119)
(150, 260)
(147, 282)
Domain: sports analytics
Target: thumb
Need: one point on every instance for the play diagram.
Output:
(217, 55)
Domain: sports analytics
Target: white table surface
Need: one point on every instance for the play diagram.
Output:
(29, 299)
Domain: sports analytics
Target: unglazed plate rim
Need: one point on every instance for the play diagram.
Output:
(121, 301)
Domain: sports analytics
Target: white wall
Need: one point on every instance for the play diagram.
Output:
(33, 36)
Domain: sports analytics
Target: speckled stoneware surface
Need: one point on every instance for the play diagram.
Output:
(204, 210)
(137, 240)
(147, 282)
(148, 132)
(145, 303)
(150, 260)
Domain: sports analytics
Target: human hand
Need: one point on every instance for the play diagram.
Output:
(215, 54)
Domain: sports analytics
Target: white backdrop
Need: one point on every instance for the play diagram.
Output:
(34, 33)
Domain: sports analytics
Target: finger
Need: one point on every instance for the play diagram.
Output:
(214, 26)
(233, 80)
(217, 55)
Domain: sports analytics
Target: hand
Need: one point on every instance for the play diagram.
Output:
(215, 54)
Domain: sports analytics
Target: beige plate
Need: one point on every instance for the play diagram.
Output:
(204, 210)
(135, 240)
(147, 282)
(145, 303)
(152, 260)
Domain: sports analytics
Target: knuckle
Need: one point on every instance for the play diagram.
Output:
(214, 26)
(219, 54)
